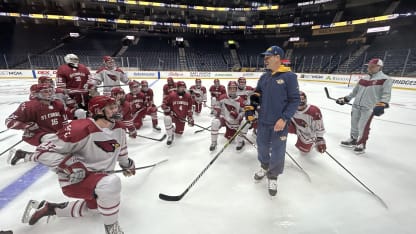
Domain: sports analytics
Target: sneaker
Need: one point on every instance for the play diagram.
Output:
(113, 228)
(349, 143)
(260, 175)
(156, 128)
(213, 146)
(272, 186)
(359, 149)
(170, 140)
(240, 145)
(15, 156)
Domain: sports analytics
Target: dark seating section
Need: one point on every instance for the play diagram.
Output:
(320, 54)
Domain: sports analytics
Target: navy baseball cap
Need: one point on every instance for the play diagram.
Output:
(274, 50)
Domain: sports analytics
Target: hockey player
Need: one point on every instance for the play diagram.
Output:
(216, 91)
(177, 107)
(244, 90)
(39, 118)
(136, 99)
(199, 95)
(72, 77)
(46, 80)
(169, 87)
(229, 113)
(82, 154)
(372, 95)
(124, 109)
(150, 107)
(308, 125)
(109, 75)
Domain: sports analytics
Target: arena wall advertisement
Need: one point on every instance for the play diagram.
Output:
(399, 82)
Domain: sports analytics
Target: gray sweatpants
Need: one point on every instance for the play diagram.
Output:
(360, 124)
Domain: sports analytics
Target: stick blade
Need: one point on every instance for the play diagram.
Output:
(170, 198)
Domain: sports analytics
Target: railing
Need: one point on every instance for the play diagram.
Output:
(396, 62)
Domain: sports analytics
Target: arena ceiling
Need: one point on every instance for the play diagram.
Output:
(228, 13)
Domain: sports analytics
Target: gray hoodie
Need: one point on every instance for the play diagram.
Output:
(371, 90)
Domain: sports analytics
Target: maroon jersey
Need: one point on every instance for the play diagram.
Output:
(217, 91)
(50, 118)
(180, 106)
(126, 115)
(136, 101)
(73, 79)
(148, 97)
(167, 89)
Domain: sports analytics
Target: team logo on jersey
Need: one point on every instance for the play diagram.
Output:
(300, 122)
(107, 146)
(113, 77)
(280, 81)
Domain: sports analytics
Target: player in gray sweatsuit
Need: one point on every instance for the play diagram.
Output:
(372, 94)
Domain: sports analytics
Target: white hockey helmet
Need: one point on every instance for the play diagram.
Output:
(72, 60)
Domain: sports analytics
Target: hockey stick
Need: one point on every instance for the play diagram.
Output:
(329, 97)
(151, 138)
(137, 168)
(10, 147)
(375, 195)
(184, 120)
(201, 130)
(4, 130)
(297, 164)
(294, 161)
(179, 197)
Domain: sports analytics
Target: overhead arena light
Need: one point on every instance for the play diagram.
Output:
(74, 34)
(294, 39)
(179, 39)
(131, 38)
(378, 29)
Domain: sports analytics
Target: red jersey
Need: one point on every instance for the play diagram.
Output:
(136, 101)
(148, 97)
(217, 91)
(50, 118)
(73, 79)
(168, 89)
(181, 106)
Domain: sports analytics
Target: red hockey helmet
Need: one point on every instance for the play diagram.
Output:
(145, 85)
(232, 88)
(45, 80)
(43, 91)
(217, 82)
(170, 81)
(303, 100)
(117, 90)
(97, 104)
(108, 61)
(242, 82)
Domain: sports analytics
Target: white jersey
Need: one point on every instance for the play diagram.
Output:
(226, 105)
(98, 149)
(110, 78)
(309, 124)
(198, 94)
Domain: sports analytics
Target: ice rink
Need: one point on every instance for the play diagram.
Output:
(226, 200)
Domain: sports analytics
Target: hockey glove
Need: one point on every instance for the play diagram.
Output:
(129, 167)
(166, 111)
(255, 100)
(133, 133)
(32, 126)
(342, 100)
(250, 113)
(191, 122)
(320, 145)
(379, 108)
(73, 173)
